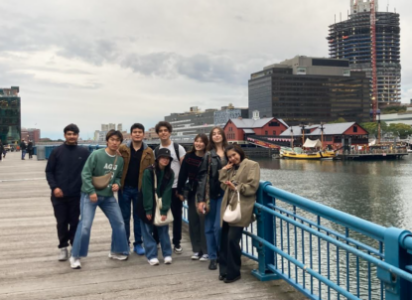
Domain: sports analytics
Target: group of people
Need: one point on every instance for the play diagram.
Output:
(26, 147)
(213, 177)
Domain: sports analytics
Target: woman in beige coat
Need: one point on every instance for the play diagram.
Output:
(243, 175)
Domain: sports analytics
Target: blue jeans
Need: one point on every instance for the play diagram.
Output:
(212, 228)
(128, 197)
(23, 154)
(150, 244)
(111, 209)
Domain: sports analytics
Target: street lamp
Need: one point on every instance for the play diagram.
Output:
(378, 113)
(291, 132)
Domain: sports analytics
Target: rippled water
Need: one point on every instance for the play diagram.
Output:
(378, 191)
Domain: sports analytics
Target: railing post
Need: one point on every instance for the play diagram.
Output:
(265, 230)
(396, 288)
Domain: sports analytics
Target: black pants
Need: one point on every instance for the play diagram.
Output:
(67, 212)
(196, 226)
(176, 207)
(230, 252)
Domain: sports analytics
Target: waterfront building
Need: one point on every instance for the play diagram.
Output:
(30, 134)
(351, 40)
(310, 90)
(337, 134)
(237, 130)
(151, 134)
(10, 115)
(195, 121)
(120, 127)
(105, 127)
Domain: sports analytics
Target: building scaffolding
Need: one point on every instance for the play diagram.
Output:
(353, 40)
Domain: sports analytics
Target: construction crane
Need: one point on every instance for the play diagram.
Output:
(373, 60)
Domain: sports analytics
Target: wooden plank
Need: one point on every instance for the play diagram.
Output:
(29, 268)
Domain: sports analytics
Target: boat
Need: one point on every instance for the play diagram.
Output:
(299, 153)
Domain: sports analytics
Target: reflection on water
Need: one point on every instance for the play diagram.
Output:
(378, 191)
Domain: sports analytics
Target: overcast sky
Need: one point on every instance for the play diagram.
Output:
(100, 61)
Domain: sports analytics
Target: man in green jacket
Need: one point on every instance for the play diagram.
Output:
(101, 162)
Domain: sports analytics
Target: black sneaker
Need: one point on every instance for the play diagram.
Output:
(213, 264)
(178, 249)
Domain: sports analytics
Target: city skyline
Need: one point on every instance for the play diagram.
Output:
(139, 62)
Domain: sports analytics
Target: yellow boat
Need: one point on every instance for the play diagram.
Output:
(314, 155)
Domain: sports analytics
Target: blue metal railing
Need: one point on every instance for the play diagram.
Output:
(325, 253)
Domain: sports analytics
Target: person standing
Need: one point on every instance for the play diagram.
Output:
(189, 169)
(209, 192)
(63, 170)
(164, 130)
(242, 176)
(101, 162)
(137, 157)
(158, 179)
(23, 148)
(2, 149)
(30, 149)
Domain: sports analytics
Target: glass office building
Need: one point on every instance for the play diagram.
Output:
(310, 90)
(10, 115)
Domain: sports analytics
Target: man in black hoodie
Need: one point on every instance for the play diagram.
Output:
(63, 171)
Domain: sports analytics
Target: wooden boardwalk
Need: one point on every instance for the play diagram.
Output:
(29, 268)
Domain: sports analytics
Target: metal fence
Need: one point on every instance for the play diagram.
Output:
(326, 253)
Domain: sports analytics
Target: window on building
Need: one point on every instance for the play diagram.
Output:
(355, 128)
(274, 132)
(266, 132)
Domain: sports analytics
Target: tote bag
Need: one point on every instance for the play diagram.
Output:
(158, 218)
(235, 215)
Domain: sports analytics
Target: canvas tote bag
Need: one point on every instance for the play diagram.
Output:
(158, 218)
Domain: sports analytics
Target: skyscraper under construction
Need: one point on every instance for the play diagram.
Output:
(360, 39)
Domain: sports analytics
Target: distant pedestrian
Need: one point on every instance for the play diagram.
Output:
(63, 171)
(137, 157)
(164, 130)
(2, 149)
(209, 192)
(23, 148)
(188, 184)
(101, 163)
(30, 149)
(158, 179)
(240, 180)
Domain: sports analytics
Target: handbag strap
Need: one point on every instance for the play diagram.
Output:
(158, 201)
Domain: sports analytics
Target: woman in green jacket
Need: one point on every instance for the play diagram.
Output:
(239, 175)
(165, 178)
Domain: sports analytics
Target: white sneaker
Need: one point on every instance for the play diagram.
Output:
(75, 263)
(153, 262)
(118, 256)
(204, 257)
(168, 260)
(64, 254)
(195, 256)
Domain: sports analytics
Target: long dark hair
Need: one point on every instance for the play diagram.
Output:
(204, 140)
(212, 144)
(237, 149)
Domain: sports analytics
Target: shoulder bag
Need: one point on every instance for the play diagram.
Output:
(157, 217)
(233, 215)
(101, 182)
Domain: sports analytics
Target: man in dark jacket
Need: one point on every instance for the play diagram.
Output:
(137, 157)
(63, 171)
